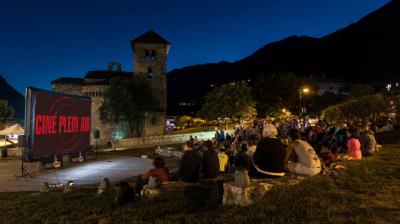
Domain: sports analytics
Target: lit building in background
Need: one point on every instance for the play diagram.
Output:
(150, 60)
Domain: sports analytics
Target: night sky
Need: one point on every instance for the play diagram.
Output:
(43, 40)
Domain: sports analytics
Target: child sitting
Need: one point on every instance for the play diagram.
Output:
(327, 156)
(160, 170)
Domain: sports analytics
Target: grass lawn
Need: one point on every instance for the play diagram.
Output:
(367, 191)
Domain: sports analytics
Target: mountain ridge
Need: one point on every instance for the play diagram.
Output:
(13, 97)
(360, 52)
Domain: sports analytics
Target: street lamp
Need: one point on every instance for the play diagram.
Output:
(302, 91)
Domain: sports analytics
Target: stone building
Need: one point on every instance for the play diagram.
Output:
(150, 60)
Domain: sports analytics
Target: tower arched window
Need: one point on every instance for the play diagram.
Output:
(147, 55)
(149, 73)
(153, 55)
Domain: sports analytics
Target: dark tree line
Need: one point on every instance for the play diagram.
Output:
(6, 112)
(270, 93)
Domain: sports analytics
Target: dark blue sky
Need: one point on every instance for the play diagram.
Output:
(43, 40)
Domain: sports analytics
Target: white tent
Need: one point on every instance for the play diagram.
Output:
(16, 129)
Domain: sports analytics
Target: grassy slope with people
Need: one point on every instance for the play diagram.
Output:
(366, 191)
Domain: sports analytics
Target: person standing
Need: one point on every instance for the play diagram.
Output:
(217, 136)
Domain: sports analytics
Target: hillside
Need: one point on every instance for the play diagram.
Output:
(361, 52)
(14, 98)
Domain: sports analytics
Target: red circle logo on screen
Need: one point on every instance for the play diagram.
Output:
(67, 141)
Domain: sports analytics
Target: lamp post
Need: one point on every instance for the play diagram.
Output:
(302, 91)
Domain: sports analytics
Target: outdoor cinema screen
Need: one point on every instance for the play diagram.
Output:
(57, 123)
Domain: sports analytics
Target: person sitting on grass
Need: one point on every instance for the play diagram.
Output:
(326, 154)
(160, 170)
(268, 159)
(190, 163)
(305, 160)
(341, 138)
(223, 159)
(353, 144)
(242, 159)
(252, 145)
(368, 141)
(210, 165)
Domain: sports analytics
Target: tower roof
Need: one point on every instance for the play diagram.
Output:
(105, 74)
(68, 80)
(150, 37)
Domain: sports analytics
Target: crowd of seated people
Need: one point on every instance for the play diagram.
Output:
(268, 150)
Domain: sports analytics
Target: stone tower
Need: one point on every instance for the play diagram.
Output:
(150, 60)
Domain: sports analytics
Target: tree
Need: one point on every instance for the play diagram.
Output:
(317, 103)
(361, 90)
(233, 100)
(183, 121)
(127, 102)
(6, 112)
(275, 91)
(359, 108)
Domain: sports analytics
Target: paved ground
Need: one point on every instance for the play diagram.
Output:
(91, 172)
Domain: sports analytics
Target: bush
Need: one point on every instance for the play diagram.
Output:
(360, 108)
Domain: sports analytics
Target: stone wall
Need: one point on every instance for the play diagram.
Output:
(67, 89)
(256, 191)
(166, 139)
(96, 92)
(154, 124)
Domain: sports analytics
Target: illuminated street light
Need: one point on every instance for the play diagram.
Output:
(304, 90)
(284, 110)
